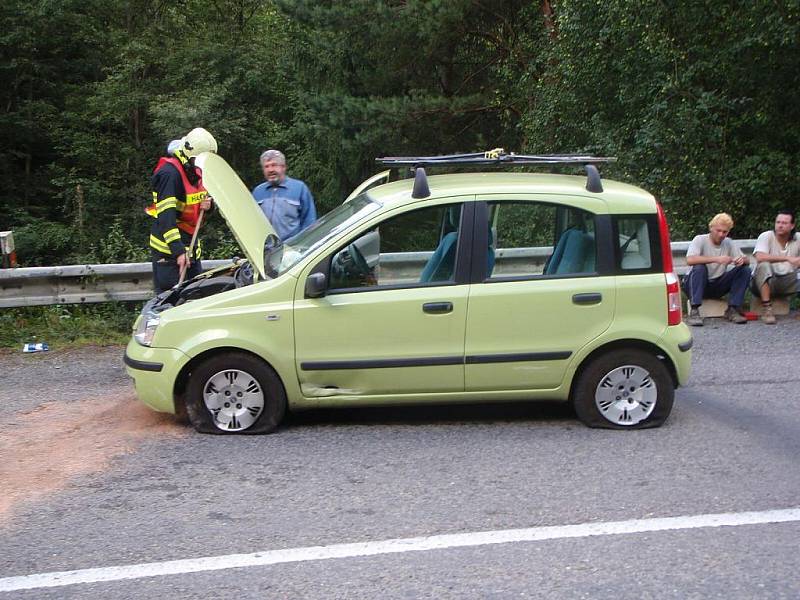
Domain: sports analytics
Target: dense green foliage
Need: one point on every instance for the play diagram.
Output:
(698, 100)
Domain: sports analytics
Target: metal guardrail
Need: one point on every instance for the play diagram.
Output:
(78, 284)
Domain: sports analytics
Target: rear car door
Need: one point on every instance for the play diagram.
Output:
(541, 297)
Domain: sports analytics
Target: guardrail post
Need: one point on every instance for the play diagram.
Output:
(7, 249)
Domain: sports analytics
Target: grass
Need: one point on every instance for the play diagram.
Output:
(70, 325)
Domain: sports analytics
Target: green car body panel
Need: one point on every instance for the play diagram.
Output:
(514, 339)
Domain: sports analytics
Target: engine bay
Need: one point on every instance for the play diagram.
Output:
(227, 277)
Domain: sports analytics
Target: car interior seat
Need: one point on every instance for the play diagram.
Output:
(573, 253)
(441, 263)
(555, 258)
(590, 260)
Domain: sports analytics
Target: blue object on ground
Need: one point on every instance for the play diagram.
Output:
(35, 347)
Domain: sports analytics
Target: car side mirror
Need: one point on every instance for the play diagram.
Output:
(316, 285)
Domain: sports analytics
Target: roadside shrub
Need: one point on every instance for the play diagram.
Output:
(117, 247)
(73, 324)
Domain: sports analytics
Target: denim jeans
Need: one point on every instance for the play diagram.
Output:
(166, 273)
(698, 286)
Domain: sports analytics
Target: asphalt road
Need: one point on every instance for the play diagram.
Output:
(93, 480)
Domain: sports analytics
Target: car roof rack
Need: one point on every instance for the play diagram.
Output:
(495, 157)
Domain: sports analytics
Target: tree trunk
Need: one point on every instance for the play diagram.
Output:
(549, 19)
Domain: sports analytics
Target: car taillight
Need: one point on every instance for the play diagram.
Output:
(663, 233)
(674, 313)
(673, 300)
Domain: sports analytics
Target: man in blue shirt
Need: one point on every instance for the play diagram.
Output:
(286, 202)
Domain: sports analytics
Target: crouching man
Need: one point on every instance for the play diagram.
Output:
(718, 267)
(778, 260)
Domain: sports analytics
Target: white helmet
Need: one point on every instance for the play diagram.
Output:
(196, 141)
(173, 147)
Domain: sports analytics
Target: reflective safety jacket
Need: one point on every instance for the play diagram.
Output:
(175, 208)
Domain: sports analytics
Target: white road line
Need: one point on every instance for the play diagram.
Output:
(434, 542)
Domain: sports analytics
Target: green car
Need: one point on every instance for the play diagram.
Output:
(456, 288)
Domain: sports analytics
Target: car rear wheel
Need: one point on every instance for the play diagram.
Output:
(624, 389)
(235, 393)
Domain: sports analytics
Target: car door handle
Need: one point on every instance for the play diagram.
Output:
(588, 298)
(436, 308)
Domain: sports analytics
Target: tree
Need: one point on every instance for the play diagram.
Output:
(698, 100)
(392, 77)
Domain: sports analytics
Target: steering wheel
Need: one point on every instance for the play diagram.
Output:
(359, 263)
(349, 268)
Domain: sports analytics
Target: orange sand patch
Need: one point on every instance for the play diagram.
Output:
(43, 449)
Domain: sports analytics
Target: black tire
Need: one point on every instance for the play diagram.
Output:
(624, 389)
(235, 393)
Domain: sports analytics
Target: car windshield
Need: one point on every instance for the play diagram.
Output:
(279, 259)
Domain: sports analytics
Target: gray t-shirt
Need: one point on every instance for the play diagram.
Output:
(703, 246)
(768, 243)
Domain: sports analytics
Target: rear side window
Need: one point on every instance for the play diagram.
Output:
(530, 239)
(635, 243)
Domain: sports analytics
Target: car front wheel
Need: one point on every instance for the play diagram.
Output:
(624, 389)
(235, 393)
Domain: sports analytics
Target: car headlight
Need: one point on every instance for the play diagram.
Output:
(146, 329)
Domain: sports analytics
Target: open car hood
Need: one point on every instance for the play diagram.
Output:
(244, 217)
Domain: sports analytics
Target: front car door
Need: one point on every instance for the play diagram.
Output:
(542, 297)
(392, 319)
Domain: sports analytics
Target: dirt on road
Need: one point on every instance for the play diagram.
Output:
(65, 436)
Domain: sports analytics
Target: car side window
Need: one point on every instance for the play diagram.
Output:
(415, 248)
(634, 243)
(536, 239)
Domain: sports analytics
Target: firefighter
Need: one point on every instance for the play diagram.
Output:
(178, 199)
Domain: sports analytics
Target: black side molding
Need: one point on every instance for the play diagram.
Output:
(389, 363)
(686, 346)
(141, 365)
(530, 356)
(382, 363)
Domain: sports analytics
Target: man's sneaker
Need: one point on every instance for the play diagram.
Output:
(732, 314)
(767, 316)
(694, 319)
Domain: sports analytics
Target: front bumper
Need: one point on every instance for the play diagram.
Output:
(154, 371)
